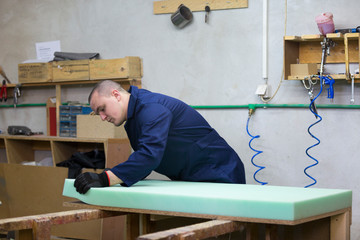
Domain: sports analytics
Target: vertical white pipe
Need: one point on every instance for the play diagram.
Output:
(265, 40)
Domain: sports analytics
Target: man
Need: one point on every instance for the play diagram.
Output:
(167, 136)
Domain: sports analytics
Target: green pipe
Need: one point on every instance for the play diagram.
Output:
(27, 105)
(24, 105)
(255, 106)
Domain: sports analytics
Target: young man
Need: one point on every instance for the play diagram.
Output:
(167, 136)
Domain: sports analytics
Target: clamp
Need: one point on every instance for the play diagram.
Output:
(3, 92)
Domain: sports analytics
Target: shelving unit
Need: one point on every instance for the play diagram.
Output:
(21, 149)
(40, 187)
(307, 49)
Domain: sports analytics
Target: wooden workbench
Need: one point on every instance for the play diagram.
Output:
(333, 225)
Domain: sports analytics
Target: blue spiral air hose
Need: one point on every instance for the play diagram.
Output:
(331, 94)
(257, 153)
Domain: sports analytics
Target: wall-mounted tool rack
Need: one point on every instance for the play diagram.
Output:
(307, 49)
(170, 6)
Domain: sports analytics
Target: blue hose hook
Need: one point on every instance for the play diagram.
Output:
(257, 151)
(314, 111)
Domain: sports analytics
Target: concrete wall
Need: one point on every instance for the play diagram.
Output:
(219, 63)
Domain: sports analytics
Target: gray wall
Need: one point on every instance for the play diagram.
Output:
(219, 63)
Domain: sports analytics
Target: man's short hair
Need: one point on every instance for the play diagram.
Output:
(104, 88)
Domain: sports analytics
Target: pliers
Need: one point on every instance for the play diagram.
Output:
(3, 92)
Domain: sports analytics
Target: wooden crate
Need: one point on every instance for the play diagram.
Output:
(72, 70)
(34, 72)
(128, 67)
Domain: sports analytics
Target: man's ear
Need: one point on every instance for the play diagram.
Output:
(116, 94)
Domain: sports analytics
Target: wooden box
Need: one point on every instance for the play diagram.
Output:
(91, 126)
(128, 67)
(34, 72)
(72, 70)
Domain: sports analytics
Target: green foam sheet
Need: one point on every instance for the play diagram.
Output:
(236, 200)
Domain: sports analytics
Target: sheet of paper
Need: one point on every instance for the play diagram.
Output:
(45, 50)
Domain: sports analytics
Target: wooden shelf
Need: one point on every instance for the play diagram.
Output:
(20, 149)
(307, 49)
(40, 187)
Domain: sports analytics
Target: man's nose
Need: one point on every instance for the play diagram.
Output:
(102, 116)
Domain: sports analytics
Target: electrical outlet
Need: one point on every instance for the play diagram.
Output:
(261, 90)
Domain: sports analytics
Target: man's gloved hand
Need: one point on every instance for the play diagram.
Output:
(87, 180)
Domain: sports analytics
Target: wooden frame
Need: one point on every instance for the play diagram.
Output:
(336, 223)
(161, 7)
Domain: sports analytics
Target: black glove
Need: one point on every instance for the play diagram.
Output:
(87, 180)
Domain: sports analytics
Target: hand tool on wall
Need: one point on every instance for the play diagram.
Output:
(325, 45)
(17, 94)
(352, 100)
(2, 73)
(3, 92)
(207, 10)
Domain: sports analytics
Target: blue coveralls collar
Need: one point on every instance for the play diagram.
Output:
(132, 101)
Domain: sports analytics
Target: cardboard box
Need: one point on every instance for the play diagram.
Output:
(32, 190)
(128, 67)
(91, 126)
(303, 69)
(34, 72)
(73, 70)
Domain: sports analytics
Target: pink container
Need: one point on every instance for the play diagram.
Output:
(325, 23)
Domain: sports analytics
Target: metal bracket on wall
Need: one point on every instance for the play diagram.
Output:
(170, 6)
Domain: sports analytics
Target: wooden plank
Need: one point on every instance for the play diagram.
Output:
(335, 35)
(340, 226)
(117, 151)
(347, 58)
(80, 204)
(204, 230)
(310, 52)
(57, 218)
(170, 6)
(13, 153)
(57, 105)
(292, 38)
(291, 56)
(312, 37)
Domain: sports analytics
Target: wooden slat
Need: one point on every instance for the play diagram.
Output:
(27, 222)
(340, 226)
(170, 6)
(80, 204)
(197, 231)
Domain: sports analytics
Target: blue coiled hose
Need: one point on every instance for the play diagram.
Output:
(257, 153)
(320, 118)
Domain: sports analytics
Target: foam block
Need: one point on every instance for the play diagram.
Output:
(237, 200)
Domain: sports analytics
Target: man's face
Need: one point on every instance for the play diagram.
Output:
(110, 108)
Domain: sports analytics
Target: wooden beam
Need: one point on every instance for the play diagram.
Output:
(340, 226)
(197, 231)
(170, 6)
(41, 224)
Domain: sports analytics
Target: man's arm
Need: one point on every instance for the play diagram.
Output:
(113, 179)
